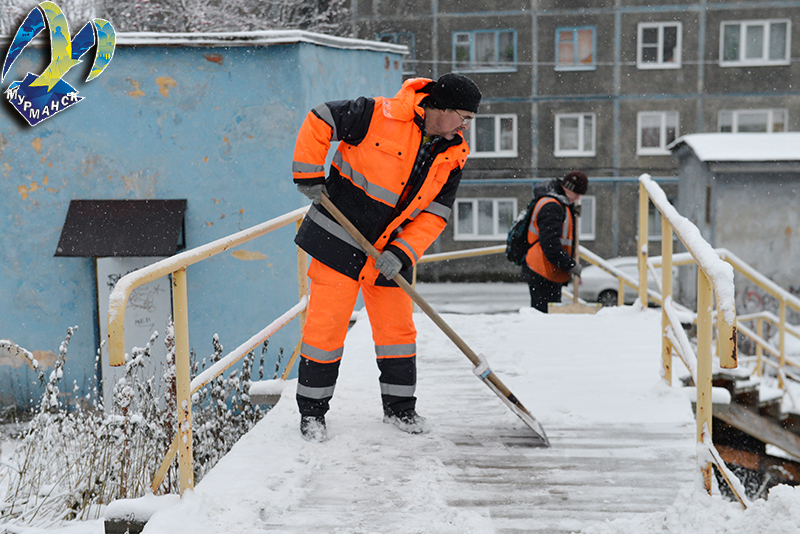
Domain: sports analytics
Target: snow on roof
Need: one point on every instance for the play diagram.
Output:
(742, 146)
(265, 37)
(249, 38)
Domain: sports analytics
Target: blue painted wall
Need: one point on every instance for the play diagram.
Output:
(214, 125)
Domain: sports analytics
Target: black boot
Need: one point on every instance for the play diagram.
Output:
(407, 421)
(313, 429)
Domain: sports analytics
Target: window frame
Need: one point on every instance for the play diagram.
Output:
(660, 64)
(498, 234)
(764, 61)
(662, 148)
(590, 234)
(473, 64)
(411, 60)
(498, 118)
(581, 153)
(770, 118)
(575, 65)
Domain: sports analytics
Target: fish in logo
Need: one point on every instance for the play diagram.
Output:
(39, 97)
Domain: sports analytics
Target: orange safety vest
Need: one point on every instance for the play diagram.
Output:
(367, 180)
(535, 257)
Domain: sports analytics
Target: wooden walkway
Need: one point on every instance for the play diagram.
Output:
(477, 467)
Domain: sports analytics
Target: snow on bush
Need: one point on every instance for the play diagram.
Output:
(69, 464)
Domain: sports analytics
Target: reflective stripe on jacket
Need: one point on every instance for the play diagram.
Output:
(372, 183)
(535, 257)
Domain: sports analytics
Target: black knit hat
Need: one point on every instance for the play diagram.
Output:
(575, 181)
(455, 91)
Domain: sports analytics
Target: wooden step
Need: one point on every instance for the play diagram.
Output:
(762, 428)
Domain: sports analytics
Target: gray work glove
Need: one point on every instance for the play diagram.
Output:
(388, 264)
(576, 269)
(313, 192)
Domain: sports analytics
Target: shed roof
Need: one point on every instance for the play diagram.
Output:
(249, 38)
(742, 146)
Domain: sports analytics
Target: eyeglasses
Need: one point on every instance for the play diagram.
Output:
(464, 120)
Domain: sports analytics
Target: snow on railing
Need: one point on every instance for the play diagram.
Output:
(713, 274)
(719, 271)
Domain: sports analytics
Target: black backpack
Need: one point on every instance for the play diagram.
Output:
(517, 241)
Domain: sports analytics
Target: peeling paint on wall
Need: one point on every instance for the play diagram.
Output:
(248, 255)
(12, 355)
(37, 144)
(137, 91)
(140, 184)
(25, 190)
(165, 82)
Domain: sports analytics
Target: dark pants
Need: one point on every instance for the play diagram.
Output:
(542, 290)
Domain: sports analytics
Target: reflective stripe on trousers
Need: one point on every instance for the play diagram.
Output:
(333, 296)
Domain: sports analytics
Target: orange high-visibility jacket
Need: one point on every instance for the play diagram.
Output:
(535, 257)
(372, 183)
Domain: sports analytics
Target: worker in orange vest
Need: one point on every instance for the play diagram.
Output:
(550, 260)
(394, 176)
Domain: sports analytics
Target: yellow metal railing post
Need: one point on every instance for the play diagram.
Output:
(782, 343)
(666, 291)
(704, 366)
(302, 289)
(642, 252)
(183, 379)
(759, 348)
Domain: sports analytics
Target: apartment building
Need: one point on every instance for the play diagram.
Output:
(603, 86)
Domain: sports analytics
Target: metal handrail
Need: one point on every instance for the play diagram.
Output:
(713, 275)
(184, 385)
(786, 300)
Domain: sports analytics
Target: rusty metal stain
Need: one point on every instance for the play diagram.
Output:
(214, 58)
(165, 82)
(734, 353)
(37, 144)
(137, 91)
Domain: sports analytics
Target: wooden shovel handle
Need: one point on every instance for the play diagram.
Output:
(400, 281)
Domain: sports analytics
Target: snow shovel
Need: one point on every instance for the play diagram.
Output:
(482, 370)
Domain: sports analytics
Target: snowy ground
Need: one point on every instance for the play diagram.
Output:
(272, 470)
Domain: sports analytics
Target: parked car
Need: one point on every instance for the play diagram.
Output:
(597, 285)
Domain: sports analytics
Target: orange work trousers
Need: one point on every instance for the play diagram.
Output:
(330, 307)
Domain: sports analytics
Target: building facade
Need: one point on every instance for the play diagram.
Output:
(603, 86)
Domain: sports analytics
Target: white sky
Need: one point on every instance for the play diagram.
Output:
(562, 370)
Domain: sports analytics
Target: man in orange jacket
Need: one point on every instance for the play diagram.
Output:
(394, 176)
(549, 261)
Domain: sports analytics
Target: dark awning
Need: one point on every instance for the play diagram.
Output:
(105, 228)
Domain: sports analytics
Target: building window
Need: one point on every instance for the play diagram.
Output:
(486, 50)
(484, 219)
(493, 136)
(753, 120)
(754, 43)
(407, 39)
(659, 45)
(575, 49)
(656, 130)
(586, 221)
(654, 222)
(575, 134)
